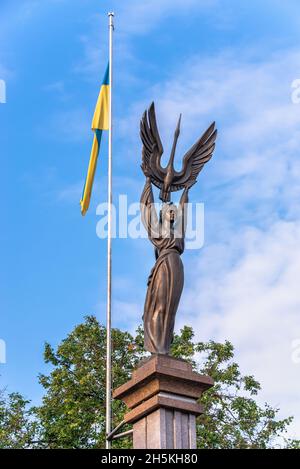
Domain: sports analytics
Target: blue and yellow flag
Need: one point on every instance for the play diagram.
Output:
(100, 122)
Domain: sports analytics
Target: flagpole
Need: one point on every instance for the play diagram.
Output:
(108, 312)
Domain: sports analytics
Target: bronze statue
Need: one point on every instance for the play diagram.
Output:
(167, 232)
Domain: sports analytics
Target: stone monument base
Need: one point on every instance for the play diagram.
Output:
(162, 403)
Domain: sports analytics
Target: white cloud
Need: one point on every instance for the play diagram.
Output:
(16, 14)
(129, 319)
(131, 19)
(71, 125)
(122, 185)
(140, 17)
(70, 193)
(58, 87)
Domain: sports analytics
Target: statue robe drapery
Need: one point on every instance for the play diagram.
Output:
(166, 279)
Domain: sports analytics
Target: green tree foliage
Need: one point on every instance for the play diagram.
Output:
(18, 428)
(72, 413)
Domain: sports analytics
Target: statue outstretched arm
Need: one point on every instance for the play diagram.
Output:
(184, 200)
(148, 212)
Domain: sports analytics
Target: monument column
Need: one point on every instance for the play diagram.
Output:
(162, 403)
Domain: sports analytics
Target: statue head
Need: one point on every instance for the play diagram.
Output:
(168, 213)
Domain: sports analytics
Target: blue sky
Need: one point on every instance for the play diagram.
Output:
(217, 60)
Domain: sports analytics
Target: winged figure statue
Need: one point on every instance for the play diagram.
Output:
(167, 179)
(167, 231)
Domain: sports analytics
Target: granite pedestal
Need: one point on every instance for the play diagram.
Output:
(162, 403)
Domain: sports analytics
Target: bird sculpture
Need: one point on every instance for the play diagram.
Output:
(168, 179)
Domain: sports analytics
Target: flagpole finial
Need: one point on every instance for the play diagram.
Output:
(111, 19)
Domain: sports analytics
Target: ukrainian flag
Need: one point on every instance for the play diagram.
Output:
(100, 122)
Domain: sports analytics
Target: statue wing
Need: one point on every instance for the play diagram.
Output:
(152, 147)
(194, 160)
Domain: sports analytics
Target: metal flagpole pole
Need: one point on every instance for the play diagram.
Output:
(108, 312)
